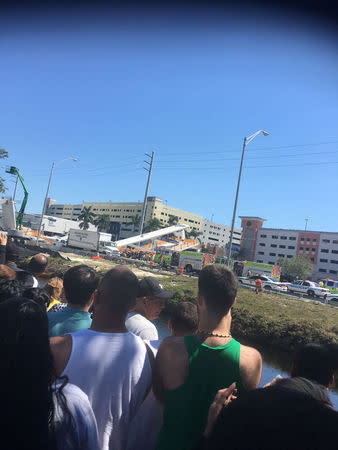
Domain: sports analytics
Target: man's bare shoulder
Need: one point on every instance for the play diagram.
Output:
(172, 344)
(250, 366)
(61, 347)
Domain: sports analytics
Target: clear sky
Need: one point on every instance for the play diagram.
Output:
(107, 86)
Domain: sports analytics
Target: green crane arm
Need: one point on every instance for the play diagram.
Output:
(15, 171)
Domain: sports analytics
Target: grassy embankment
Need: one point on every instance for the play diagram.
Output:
(271, 320)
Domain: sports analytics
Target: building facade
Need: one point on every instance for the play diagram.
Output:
(268, 245)
(217, 234)
(122, 213)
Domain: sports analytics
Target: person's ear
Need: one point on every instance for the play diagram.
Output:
(96, 298)
(331, 382)
(234, 302)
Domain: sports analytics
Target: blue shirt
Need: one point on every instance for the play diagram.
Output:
(68, 320)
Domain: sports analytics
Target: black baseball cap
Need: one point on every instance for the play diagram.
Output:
(151, 287)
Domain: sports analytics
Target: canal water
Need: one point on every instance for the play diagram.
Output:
(273, 364)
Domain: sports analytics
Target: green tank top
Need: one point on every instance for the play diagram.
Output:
(186, 408)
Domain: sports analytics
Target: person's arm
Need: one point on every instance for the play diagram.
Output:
(61, 348)
(250, 367)
(3, 243)
(171, 366)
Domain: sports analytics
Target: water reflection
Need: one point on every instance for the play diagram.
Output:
(273, 363)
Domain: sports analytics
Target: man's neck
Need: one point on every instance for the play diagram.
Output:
(139, 310)
(79, 307)
(216, 325)
(106, 323)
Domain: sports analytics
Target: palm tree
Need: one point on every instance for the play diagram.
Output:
(102, 222)
(86, 217)
(192, 234)
(135, 220)
(173, 220)
(153, 225)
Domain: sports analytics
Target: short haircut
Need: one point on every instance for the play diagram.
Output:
(218, 285)
(38, 263)
(54, 287)
(12, 251)
(119, 288)
(39, 295)
(184, 317)
(6, 273)
(25, 278)
(316, 362)
(79, 284)
(9, 289)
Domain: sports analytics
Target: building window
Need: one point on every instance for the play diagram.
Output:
(284, 237)
(334, 261)
(259, 260)
(292, 238)
(263, 235)
(334, 251)
(262, 245)
(274, 245)
(291, 247)
(314, 240)
(289, 256)
(315, 250)
(327, 241)
(261, 253)
(312, 259)
(282, 246)
(280, 255)
(323, 260)
(301, 248)
(274, 237)
(270, 262)
(272, 254)
(302, 240)
(322, 270)
(335, 242)
(324, 250)
(333, 271)
(307, 249)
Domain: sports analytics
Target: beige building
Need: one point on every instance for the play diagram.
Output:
(122, 212)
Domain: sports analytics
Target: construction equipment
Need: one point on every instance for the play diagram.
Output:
(15, 171)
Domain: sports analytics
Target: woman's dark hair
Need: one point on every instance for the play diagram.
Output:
(39, 295)
(27, 377)
(9, 289)
(25, 278)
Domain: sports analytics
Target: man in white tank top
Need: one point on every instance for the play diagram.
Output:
(107, 362)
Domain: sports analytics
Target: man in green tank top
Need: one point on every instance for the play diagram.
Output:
(190, 370)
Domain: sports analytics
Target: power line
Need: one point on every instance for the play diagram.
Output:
(252, 157)
(248, 167)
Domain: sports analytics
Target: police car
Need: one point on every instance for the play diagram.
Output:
(268, 283)
(309, 288)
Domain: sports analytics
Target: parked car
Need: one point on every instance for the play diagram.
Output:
(309, 288)
(268, 283)
(330, 296)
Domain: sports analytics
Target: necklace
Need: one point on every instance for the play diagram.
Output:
(210, 333)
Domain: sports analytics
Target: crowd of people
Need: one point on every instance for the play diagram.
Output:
(83, 367)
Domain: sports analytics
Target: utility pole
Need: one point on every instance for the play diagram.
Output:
(148, 169)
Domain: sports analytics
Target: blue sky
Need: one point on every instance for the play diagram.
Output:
(108, 87)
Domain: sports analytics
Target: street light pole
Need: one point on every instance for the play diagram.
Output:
(147, 188)
(47, 192)
(245, 143)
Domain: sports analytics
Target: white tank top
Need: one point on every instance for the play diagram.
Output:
(114, 371)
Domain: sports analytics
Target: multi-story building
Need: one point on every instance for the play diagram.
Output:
(121, 213)
(268, 245)
(217, 234)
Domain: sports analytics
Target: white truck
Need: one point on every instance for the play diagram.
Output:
(308, 287)
(87, 240)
